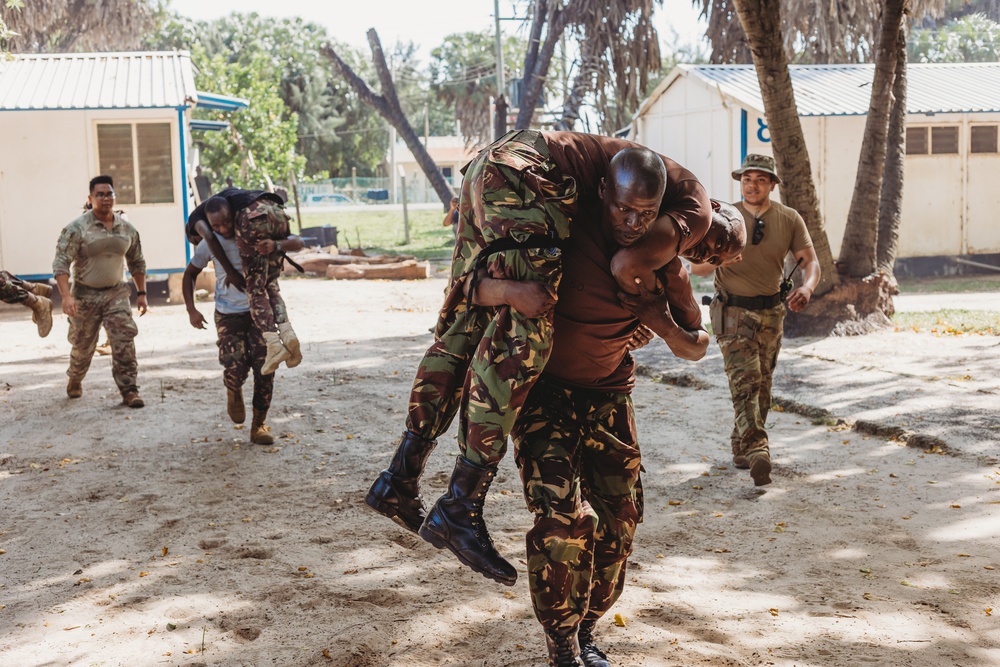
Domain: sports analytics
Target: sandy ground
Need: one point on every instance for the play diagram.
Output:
(161, 536)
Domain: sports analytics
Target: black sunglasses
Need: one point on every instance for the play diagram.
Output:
(758, 232)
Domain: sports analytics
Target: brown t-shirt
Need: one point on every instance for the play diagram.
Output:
(760, 271)
(587, 158)
(592, 328)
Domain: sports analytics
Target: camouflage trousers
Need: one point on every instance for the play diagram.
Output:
(483, 360)
(580, 466)
(12, 289)
(242, 349)
(112, 308)
(750, 345)
(263, 219)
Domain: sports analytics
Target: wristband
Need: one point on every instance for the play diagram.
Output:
(141, 293)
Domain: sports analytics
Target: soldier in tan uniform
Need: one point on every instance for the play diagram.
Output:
(94, 247)
(749, 307)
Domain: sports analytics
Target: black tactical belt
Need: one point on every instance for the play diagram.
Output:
(754, 302)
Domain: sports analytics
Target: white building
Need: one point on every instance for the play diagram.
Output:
(708, 117)
(65, 118)
(449, 153)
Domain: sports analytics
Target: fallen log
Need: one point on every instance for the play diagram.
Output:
(407, 270)
(316, 262)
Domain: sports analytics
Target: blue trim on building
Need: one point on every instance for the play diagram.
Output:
(130, 108)
(184, 182)
(744, 118)
(220, 102)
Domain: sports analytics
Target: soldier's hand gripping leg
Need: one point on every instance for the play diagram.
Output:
(396, 492)
(456, 522)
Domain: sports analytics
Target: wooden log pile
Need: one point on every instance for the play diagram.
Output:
(359, 267)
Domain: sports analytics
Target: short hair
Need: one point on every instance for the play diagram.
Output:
(103, 178)
(728, 217)
(216, 204)
(638, 163)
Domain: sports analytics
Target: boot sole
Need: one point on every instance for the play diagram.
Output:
(438, 542)
(389, 512)
(760, 471)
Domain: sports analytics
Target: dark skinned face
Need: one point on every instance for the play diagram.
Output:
(628, 209)
(221, 222)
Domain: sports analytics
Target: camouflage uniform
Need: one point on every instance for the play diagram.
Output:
(111, 307)
(12, 289)
(242, 349)
(750, 341)
(484, 360)
(262, 219)
(96, 305)
(580, 464)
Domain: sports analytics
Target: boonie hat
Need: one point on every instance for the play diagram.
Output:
(757, 162)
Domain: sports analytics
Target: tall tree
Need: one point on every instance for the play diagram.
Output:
(969, 39)
(388, 106)
(891, 202)
(858, 249)
(761, 21)
(60, 26)
(618, 36)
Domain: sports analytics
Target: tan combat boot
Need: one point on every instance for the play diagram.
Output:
(133, 400)
(234, 405)
(276, 352)
(74, 388)
(41, 313)
(41, 289)
(260, 433)
(291, 341)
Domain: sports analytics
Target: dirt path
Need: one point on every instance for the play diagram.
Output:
(162, 537)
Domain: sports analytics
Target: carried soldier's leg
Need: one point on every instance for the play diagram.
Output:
(122, 330)
(31, 295)
(254, 223)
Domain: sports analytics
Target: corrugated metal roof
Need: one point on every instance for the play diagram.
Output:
(832, 90)
(131, 80)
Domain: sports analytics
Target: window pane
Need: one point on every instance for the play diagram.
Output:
(114, 155)
(156, 179)
(916, 141)
(944, 140)
(984, 138)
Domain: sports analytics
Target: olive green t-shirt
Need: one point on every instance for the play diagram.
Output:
(761, 271)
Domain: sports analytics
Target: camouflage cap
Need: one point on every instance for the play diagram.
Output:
(757, 162)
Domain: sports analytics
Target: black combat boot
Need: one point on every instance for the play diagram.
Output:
(589, 653)
(395, 493)
(456, 522)
(564, 648)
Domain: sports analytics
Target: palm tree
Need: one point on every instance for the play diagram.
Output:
(761, 22)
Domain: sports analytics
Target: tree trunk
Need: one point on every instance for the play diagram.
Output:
(858, 250)
(534, 79)
(387, 105)
(582, 84)
(891, 204)
(761, 21)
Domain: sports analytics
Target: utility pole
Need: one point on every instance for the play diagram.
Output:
(500, 120)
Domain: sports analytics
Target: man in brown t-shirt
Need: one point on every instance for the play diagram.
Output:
(748, 309)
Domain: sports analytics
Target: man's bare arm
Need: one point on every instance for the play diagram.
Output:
(653, 310)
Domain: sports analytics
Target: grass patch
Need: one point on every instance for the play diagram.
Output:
(938, 284)
(380, 231)
(950, 322)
